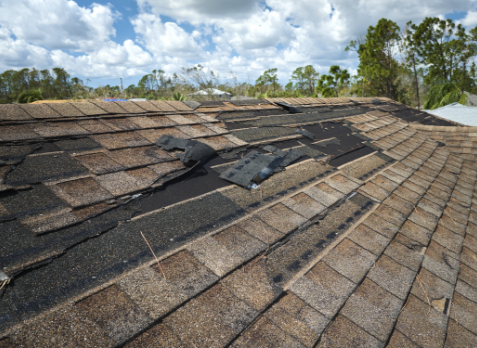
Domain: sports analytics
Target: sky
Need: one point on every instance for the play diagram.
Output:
(101, 41)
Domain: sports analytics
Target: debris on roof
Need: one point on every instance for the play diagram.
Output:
(133, 224)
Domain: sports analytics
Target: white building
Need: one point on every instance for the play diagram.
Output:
(212, 92)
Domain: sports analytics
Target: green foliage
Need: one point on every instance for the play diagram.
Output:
(305, 78)
(179, 96)
(436, 66)
(331, 85)
(14, 82)
(376, 54)
(29, 96)
(269, 77)
(444, 94)
(442, 46)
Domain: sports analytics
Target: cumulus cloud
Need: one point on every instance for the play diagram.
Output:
(246, 37)
(165, 38)
(470, 19)
(59, 24)
(199, 11)
(20, 54)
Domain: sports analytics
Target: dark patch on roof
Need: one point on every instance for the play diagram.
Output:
(74, 145)
(263, 133)
(46, 148)
(240, 124)
(412, 115)
(207, 103)
(250, 102)
(12, 154)
(326, 142)
(44, 168)
(23, 249)
(198, 181)
(98, 260)
(351, 156)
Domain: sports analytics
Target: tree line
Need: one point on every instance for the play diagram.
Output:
(428, 65)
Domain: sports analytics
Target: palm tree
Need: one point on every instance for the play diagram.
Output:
(444, 94)
(178, 96)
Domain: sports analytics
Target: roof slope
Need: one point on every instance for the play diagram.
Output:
(369, 240)
(455, 112)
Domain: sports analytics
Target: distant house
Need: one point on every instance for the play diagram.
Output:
(466, 115)
(212, 92)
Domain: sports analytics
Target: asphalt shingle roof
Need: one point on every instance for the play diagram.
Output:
(109, 240)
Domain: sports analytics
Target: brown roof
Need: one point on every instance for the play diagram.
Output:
(110, 240)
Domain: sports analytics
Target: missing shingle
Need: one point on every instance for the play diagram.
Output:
(290, 108)
(327, 142)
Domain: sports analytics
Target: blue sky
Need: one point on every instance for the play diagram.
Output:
(103, 41)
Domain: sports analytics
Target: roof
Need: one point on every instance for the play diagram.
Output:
(465, 115)
(123, 226)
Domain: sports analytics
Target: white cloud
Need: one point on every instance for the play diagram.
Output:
(199, 11)
(165, 38)
(470, 19)
(58, 24)
(246, 37)
(128, 54)
(20, 54)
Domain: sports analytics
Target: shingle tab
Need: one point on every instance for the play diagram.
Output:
(81, 192)
(324, 289)
(373, 309)
(12, 112)
(350, 260)
(116, 314)
(39, 111)
(344, 333)
(252, 284)
(422, 324)
(66, 109)
(89, 109)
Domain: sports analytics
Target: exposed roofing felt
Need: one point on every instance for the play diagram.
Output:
(365, 235)
(465, 115)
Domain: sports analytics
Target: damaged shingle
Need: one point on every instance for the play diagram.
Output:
(253, 168)
(194, 151)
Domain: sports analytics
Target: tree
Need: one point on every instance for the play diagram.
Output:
(409, 47)
(62, 82)
(268, 77)
(306, 77)
(444, 94)
(332, 84)
(446, 50)
(442, 47)
(204, 78)
(29, 96)
(376, 54)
